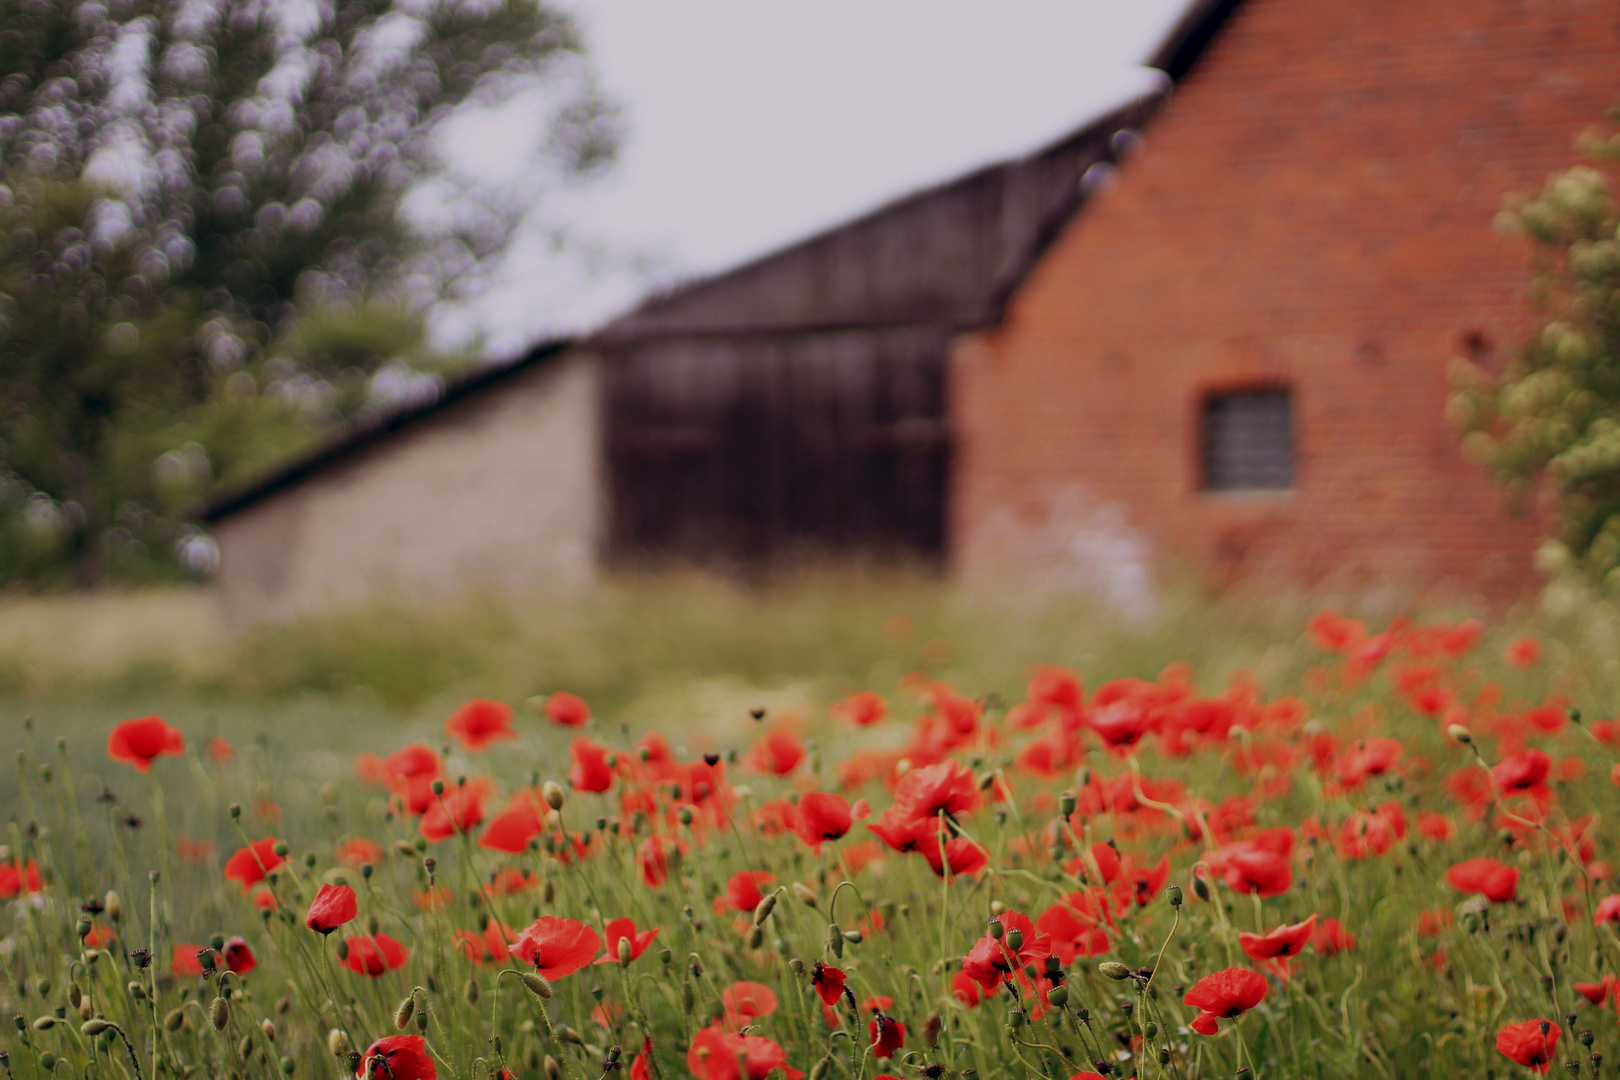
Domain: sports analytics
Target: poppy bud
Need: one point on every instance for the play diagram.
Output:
(854, 937)
(1150, 1029)
(269, 1029)
(1058, 996)
(995, 929)
(1460, 733)
(804, 893)
(421, 1020)
(763, 909)
(1200, 888)
(245, 1047)
(553, 1070)
(114, 905)
(1015, 939)
(75, 995)
(236, 811)
(537, 984)
(696, 968)
(336, 1042)
(931, 1029)
(1174, 893)
(1114, 970)
(756, 937)
(553, 794)
(835, 940)
(405, 849)
(45, 1023)
(174, 1020)
(280, 848)
(819, 1070)
(1066, 803)
(47, 1061)
(217, 942)
(288, 1066)
(219, 1013)
(470, 991)
(1574, 716)
(402, 1015)
(987, 781)
(685, 814)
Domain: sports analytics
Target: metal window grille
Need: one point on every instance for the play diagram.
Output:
(1249, 441)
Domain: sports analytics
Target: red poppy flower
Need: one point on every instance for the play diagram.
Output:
(1256, 870)
(567, 709)
(1283, 941)
(966, 990)
(1522, 771)
(459, 809)
(512, 829)
(17, 877)
(862, 709)
(556, 947)
(1072, 934)
(1608, 910)
(356, 851)
(409, 772)
(777, 752)
(140, 742)
(1435, 826)
(1523, 653)
(652, 858)
(1227, 993)
(717, 1054)
(250, 864)
(1147, 884)
(1597, 992)
(591, 771)
(887, 1036)
(332, 907)
(947, 787)
(480, 722)
(1121, 724)
(184, 960)
(1496, 881)
(991, 959)
(1531, 1043)
(625, 930)
(742, 891)
(828, 982)
(220, 751)
(238, 956)
(1331, 937)
(821, 816)
(397, 1057)
(963, 855)
(638, 1067)
(374, 954)
(902, 832)
(744, 1001)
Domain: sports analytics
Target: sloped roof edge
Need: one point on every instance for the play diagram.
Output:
(360, 433)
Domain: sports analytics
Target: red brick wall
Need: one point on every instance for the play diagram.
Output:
(1313, 207)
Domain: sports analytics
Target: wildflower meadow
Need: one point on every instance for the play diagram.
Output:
(1396, 866)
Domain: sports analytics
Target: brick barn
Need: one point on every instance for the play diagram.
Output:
(1206, 335)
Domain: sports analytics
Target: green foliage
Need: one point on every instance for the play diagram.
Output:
(1550, 424)
(205, 257)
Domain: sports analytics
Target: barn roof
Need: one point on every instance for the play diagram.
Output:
(949, 255)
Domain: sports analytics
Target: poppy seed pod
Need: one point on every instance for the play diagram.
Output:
(1016, 1019)
(995, 929)
(552, 792)
(1015, 939)
(537, 983)
(1058, 996)
(402, 1014)
(1114, 970)
(1174, 893)
(1066, 803)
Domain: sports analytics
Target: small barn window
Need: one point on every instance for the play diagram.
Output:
(1248, 441)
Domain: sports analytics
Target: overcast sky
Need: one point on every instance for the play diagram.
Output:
(754, 123)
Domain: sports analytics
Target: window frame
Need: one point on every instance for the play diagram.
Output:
(1203, 436)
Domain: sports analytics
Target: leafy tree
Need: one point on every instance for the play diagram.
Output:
(208, 251)
(1549, 425)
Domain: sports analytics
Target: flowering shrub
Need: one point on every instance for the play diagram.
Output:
(1390, 869)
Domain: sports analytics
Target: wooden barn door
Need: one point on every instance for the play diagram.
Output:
(751, 447)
